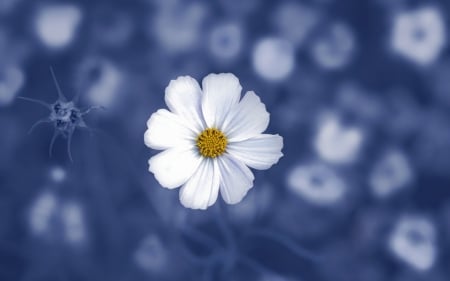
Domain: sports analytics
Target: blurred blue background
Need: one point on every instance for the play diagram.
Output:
(360, 91)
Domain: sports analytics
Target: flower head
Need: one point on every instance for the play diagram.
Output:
(65, 116)
(209, 139)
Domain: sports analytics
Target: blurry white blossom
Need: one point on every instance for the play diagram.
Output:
(151, 254)
(12, 79)
(72, 218)
(391, 173)
(178, 28)
(273, 58)
(337, 143)
(42, 213)
(52, 218)
(294, 21)
(225, 40)
(419, 35)
(57, 174)
(317, 183)
(335, 47)
(413, 241)
(56, 25)
(100, 81)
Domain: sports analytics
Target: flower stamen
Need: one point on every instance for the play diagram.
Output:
(211, 143)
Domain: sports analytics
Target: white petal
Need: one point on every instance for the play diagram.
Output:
(221, 92)
(202, 189)
(236, 179)
(259, 152)
(174, 166)
(183, 97)
(165, 130)
(248, 119)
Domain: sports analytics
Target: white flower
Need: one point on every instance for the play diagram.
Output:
(210, 138)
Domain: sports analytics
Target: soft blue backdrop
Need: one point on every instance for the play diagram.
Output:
(359, 89)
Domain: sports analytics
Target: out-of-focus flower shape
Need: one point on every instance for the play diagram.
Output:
(42, 211)
(413, 241)
(390, 174)
(12, 80)
(152, 255)
(178, 28)
(101, 80)
(335, 47)
(51, 218)
(58, 174)
(209, 139)
(273, 58)
(74, 226)
(56, 25)
(419, 35)
(337, 143)
(225, 41)
(317, 183)
(295, 21)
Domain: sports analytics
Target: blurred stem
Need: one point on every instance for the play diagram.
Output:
(200, 237)
(230, 240)
(286, 242)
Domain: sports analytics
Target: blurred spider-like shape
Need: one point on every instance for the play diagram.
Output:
(65, 116)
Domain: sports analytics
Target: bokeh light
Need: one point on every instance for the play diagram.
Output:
(273, 58)
(419, 35)
(56, 25)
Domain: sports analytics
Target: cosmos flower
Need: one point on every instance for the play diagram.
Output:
(210, 139)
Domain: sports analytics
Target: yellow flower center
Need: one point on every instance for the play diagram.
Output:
(211, 143)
